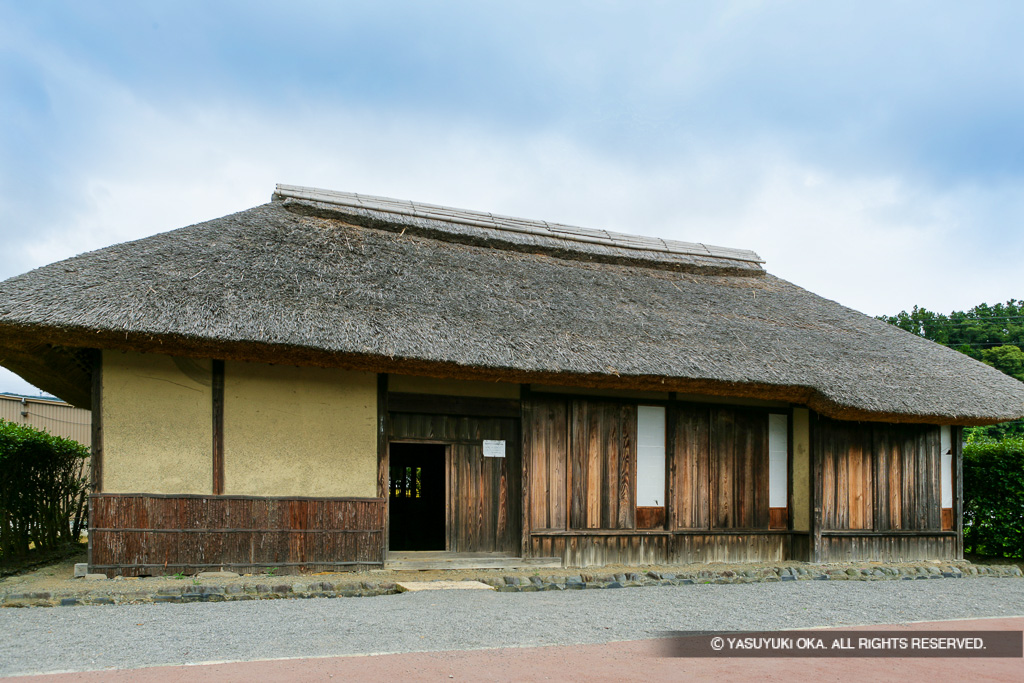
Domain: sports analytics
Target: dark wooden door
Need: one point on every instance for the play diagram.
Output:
(485, 494)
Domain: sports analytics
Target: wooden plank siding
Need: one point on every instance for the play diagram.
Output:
(485, 494)
(879, 477)
(880, 491)
(149, 534)
(580, 549)
(739, 469)
(603, 465)
(688, 467)
(547, 431)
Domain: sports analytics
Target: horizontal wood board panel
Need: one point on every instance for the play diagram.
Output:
(137, 535)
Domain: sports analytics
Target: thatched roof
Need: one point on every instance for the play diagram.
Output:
(344, 280)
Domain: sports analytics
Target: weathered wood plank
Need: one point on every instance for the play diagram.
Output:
(140, 535)
(689, 473)
(649, 517)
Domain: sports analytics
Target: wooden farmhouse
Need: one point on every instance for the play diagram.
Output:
(332, 381)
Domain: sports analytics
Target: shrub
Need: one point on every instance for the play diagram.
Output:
(43, 488)
(994, 497)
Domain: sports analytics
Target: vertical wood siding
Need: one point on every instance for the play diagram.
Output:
(137, 534)
(879, 477)
(881, 493)
(547, 431)
(603, 462)
(689, 468)
(739, 469)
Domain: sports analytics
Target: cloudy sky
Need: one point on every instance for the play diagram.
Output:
(872, 152)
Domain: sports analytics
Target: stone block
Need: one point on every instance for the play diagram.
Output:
(81, 569)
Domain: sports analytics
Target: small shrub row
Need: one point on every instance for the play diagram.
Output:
(994, 497)
(43, 489)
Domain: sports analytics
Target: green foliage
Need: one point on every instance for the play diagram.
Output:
(970, 332)
(991, 334)
(994, 497)
(1008, 359)
(43, 490)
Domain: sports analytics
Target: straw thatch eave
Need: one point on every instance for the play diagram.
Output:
(276, 284)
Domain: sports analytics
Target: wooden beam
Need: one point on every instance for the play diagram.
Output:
(218, 427)
(431, 404)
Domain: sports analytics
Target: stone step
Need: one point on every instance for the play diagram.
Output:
(434, 561)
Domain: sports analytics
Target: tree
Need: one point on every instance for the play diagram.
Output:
(991, 334)
(1008, 359)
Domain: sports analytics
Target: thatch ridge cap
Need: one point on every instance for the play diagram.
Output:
(501, 222)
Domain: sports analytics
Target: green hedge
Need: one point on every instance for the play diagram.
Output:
(43, 488)
(994, 497)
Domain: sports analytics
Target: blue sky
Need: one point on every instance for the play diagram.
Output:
(872, 152)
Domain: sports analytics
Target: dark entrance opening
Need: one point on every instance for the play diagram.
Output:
(416, 498)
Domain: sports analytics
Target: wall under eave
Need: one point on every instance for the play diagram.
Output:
(292, 431)
(157, 424)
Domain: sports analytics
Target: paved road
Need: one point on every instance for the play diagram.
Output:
(96, 638)
(642, 660)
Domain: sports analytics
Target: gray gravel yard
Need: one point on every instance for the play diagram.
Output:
(127, 636)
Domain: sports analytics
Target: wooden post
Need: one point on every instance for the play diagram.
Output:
(97, 422)
(816, 485)
(956, 441)
(526, 453)
(383, 461)
(218, 427)
(96, 461)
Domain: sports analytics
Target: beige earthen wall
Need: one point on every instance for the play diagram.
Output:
(157, 424)
(801, 469)
(299, 431)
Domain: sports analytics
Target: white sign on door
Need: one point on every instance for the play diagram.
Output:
(494, 449)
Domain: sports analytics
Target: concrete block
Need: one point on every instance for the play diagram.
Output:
(81, 569)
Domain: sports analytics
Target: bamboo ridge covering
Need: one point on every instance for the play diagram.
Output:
(384, 288)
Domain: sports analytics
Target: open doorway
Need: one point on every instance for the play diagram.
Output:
(416, 498)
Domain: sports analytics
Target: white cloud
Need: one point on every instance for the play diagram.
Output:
(877, 244)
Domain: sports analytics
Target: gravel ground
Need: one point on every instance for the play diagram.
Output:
(128, 636)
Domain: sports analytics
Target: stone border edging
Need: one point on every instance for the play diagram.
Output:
(515, 584)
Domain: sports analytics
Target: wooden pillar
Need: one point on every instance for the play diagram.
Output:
(956, 435)
(96, 461)
(97, 422)
(383, 461)
(816, 484)
(526, 454)
(218, 427)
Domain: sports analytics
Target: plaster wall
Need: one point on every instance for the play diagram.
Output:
(157, 424)
(801, 469)
(299, 431)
